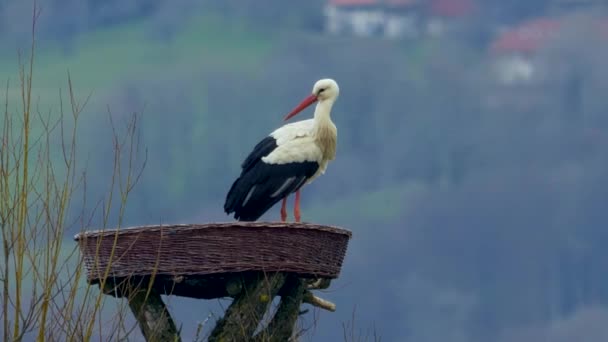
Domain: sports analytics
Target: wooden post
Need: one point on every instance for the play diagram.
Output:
(252, 293)
(282, 325)
(152, 315)
(247, 309)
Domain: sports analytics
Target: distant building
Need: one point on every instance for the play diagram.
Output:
(444, 15)
(402, 18)
(514, 49)
(390, 18)
(537, 58)
(393, 18)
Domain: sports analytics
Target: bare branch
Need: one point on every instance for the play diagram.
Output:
(313, 300)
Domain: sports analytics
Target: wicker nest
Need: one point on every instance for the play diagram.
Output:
(216, 249)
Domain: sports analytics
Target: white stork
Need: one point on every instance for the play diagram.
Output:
(287, 159)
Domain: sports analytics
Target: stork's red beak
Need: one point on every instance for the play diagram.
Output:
(305, 103)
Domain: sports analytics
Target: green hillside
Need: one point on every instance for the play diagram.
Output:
(99, 59)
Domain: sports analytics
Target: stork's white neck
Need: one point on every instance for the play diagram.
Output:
(323, 111)
(324, 129)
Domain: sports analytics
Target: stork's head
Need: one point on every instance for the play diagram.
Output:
(324, 90)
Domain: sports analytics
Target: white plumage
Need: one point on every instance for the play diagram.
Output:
(295, 143)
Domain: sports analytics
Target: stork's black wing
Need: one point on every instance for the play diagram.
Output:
(262, 149)
(261, 185)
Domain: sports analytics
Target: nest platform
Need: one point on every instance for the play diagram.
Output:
(186, 258)
(247, 261)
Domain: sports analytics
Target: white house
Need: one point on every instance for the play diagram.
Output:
(389, 18)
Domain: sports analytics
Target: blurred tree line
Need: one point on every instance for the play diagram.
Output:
(65, 19)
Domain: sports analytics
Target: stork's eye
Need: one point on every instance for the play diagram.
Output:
(321, 90)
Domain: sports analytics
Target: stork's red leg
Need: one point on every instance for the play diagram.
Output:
(296, 210)
(284, 210)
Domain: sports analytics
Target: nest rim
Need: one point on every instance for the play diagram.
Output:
(201, 226)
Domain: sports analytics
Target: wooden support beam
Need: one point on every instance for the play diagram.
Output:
(152, 316)
(253, 293)
(282, 325)
(247, 309)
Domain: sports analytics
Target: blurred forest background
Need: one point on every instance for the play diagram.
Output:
(472, 157)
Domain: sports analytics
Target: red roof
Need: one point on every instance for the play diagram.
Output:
(372, 2)
(526, 38)
(353, 2)
(452, 8)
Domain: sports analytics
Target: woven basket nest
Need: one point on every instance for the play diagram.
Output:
(308, 250)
